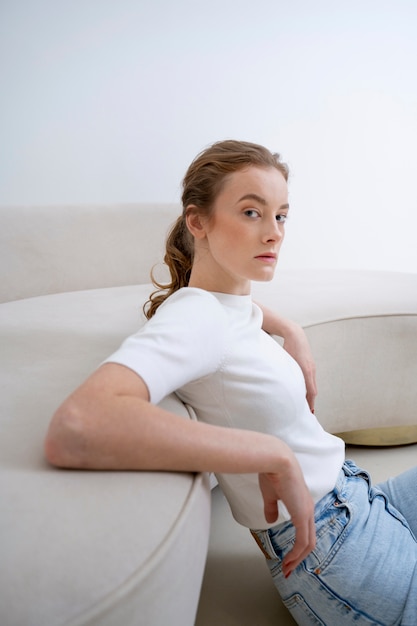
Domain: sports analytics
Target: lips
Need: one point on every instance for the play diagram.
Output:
(267, 257)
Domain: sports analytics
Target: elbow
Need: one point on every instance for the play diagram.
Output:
(65, 441)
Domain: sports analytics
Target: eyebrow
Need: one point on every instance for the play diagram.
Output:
(261, 200)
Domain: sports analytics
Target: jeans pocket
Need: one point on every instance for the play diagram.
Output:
(331, 532)
(332, 528)
(302, 611)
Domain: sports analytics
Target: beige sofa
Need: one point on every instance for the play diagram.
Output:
(111, 548)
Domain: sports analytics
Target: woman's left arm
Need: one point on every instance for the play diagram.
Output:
(296, 344)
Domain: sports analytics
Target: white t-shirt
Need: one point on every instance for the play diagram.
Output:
(211, 350)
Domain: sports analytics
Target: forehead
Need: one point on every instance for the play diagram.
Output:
(267, 182)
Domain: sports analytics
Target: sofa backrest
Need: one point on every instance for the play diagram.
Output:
(53, 249)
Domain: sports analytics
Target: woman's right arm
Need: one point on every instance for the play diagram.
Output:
(108, 423)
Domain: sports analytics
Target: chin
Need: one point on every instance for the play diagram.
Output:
(264, 279)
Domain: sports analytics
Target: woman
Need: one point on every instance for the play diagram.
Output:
(323, 529)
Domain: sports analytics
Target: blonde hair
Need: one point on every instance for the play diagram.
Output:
(201, 185)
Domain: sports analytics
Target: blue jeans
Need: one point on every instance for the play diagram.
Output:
(363, 570)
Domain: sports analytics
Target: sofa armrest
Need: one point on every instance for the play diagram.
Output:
(86, 547)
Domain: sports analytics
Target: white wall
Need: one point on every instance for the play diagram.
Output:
(109, 100)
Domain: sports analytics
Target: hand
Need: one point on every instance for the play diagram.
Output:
(292, 490)
(296, 344)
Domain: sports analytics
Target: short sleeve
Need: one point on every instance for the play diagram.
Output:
(184, 341)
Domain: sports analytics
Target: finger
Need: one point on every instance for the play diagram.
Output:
(311, 397)
(310, 401)
(294, 561)
(270, 510)
(269, 498)
(305, 541)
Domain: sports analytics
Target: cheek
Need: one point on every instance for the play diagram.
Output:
(223, 232)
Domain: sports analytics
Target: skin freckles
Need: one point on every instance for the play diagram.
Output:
(242, 238)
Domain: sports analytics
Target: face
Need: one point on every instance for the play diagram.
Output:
(241, 240)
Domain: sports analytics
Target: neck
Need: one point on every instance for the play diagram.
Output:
(218, 281)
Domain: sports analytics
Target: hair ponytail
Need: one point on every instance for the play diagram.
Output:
(179, 259)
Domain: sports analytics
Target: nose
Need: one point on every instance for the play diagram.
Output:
(274, 231)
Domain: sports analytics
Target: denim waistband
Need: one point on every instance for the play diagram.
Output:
(349, 468)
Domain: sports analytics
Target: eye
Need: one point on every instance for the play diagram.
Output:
(281, 218)
(251, 213)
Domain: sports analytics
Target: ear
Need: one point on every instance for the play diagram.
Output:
(196, 223)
